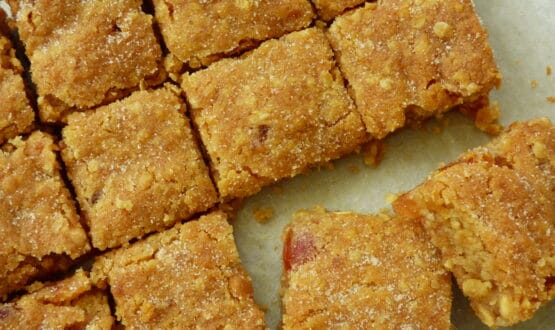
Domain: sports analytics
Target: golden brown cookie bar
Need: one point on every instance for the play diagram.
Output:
(72, 303)
(352, 271)
(329, 9)
(39, 225)
(408, 60)
(135, 166)
(189, 276)
(16, 116)
(491, 213)
(199, 32)
(86, 53)
(273, 112)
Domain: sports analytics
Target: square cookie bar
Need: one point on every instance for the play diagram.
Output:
(407, 60)
(491, 213)
(200, 32)
(273, 112)
(135, 166)
(188, 277)
(329, 9)
(16, 116)
(353, 271)
(86, 53)
(72, 303)
(39, 225)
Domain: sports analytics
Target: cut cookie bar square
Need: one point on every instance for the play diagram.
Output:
(72, 303)
(200, 32)
(273, 112)
(353, 271)
(491, 213)
(187, 277)
(86, 53)
(39, 225)
(16, 116)
(408, 60)
(135, 166)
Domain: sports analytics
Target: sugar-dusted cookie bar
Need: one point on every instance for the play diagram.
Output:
(491, 213)
(135, 166)
(189, 276)
(407, 60)
(86, 53)
(199, 32)
(72, 303)
(354, 271)
(273, 112)
(16, 116)
(39, 224)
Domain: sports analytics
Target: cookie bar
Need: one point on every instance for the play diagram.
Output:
(329, 9)
(72, 303)
(86, 53)
(353, 271)
(408, 60)
(491, 213)
(39, 225)
(16, 116)
(188, 277)
(135, 166)
(200, 32)
(272, 113)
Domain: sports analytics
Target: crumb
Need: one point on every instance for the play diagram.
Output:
(354, 169)
(485, 115)
(548, 70)
(263, 214)
(390, 198)
(534, 83)
(550, 99)
(373, 152)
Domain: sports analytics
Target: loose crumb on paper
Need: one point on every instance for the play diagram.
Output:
(263, 214)
(551, 99)
(534, 83)
(548, 70)
(372, 153)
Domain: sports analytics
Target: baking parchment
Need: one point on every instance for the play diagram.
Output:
(522, 34)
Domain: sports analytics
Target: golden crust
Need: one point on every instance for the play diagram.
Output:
(491, 214)
(189, 276)
(70, 303)
(273, 112)
(86, 53)
(135, 166)
(16, 116)
(347, 270)
(39, 225)
(408, 59)
(199, 32)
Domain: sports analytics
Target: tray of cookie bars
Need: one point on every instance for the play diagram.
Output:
(295, 164)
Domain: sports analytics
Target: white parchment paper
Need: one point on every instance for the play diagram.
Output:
(522, 34)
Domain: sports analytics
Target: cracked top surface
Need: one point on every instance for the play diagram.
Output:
(37, 214)
(83, 51)
(197, 30)
(273, 112)
(71, 303)
(135, 166)
(409, 58)
(16, 116)
(492, 213)
(188, 277)
(347, 270)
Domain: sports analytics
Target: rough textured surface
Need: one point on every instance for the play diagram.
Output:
(199, 32)
(491, 213)
(273, 112)
(188, 277)
(86, 53)
(68, 304)
(135, 166)
(329, 9)
(39, 225)
(408, 60)
(16, 116)
(351, 271)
